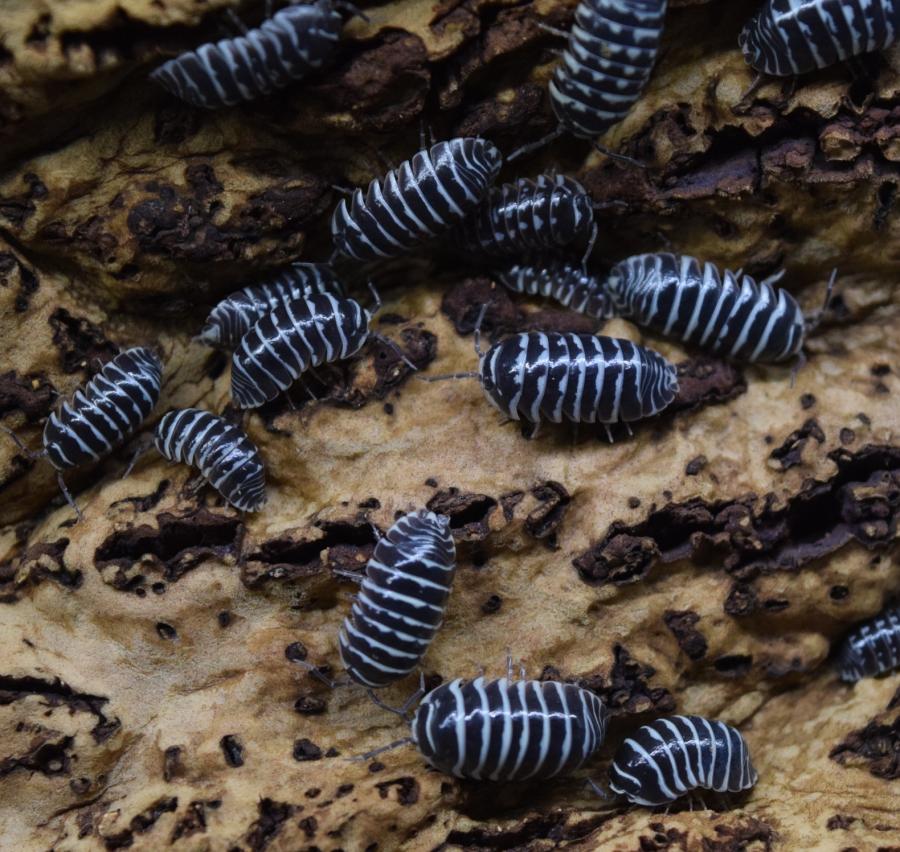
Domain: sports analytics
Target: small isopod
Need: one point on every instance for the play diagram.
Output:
(788, 37)
(222, 452)
(725, 314)
(110, 408)
(232, 318)
(568, 284)
(411, 204)
(290, 44)
(873, 648)
(400, 605)
(506, 730)
(670, 757)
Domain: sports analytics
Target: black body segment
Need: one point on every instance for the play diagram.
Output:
(291, 339)
(872, 648)
(504, 730)
(221, 452)
(670, 757)
(528, 216)
(423, 197)
(564, 282)
(401, 603)
(679, 297)
(789, 37)
(232, 318)
(606, 64)
(106, 412)
(294, 42)
(584, 378)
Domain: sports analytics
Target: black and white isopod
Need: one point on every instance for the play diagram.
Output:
(400, 605)
(527, 217)
(789, 37)
(292, 339)
(232, 318)
(536, 376)
(292, 43)
(411, 204)
(568, 284)
(725, 314)
(607, 62)
(506, 730)
(872, 648)
(222, 453)
(670, 757)
(110, 408)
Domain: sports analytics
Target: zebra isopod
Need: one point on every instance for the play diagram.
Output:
(872, 648)
(292, 43)
(502, 730)
(106, 412)
(610, 53)
(568, 284)
(724, 314)
(789, 37)
(529, 216)
(424, 196)
(400, 605)
(670, 757)
(291, 339)
(232, 318)
(584, 378)
(222, 452)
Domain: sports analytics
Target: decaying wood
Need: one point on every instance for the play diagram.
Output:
(148, 691)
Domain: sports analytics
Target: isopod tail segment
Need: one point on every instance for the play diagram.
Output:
(34, 456)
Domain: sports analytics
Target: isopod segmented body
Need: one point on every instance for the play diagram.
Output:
(502, 730)
(584, 378)
(106, 412)
(222, 452)
(295, 41)
(568, 284)
(795, 36)
(673, 756)
(291, 339)
(723, 314)
(606, 64)
(528, 216)
(424, 196)
(401, 602)
(872, 648)
(232, 318)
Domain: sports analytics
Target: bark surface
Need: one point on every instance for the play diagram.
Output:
(149, 692)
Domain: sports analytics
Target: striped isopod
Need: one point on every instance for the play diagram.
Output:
(585, 378)
(232, 318)
(568, 284)
(505, 730)
(610, 54)
(502, 730)
(424, 196)
(789, 37)
(221, 452)
(673, 756)
(529, 216)
(401, 602)
(872, 648)
(292, 43)
(291, 339)
(725, 314)
(105, 413)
